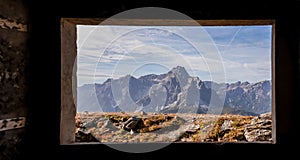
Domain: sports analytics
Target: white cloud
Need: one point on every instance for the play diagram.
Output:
(247, 71)
(116, 51)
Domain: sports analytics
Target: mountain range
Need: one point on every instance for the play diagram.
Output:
(175, 92)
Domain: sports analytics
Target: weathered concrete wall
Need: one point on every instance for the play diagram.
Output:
(14, 56)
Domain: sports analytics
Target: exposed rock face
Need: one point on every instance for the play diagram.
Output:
(260, 129)
(131, 124)
(175, 91)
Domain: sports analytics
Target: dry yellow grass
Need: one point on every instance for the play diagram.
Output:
(160, 127)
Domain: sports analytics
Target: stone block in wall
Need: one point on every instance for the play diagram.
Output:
(14, 57)
(14, 10)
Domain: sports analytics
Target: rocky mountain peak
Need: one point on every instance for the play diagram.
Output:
(171, 91)
(180, 71)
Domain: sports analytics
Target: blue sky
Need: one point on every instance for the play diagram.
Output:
(219, 53)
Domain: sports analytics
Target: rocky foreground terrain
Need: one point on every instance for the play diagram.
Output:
(121, 127)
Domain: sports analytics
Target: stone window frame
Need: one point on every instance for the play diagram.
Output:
(69, 53)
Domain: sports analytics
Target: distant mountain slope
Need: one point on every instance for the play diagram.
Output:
(175, 91)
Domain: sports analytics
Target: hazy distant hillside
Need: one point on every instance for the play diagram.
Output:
(172, 92)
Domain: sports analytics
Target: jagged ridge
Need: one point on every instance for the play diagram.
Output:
(172, 92)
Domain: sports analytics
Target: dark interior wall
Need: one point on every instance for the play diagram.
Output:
(33, 57)
(14, 56)
(287, 83)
